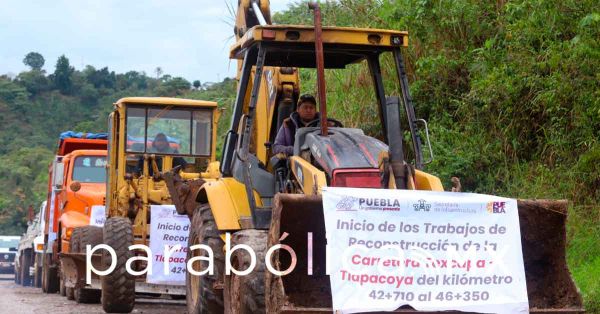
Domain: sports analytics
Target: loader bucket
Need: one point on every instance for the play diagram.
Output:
(550, 287)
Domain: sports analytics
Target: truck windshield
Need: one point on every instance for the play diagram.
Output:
(169, 131)
(90, 169)
(9, 243)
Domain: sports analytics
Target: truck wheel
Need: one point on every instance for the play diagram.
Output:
(88, 235)
(73, 248)
(18, 272)
(70, 293)
(24, 268)
(37, 277)
(118, 287)
(62, 290)
(246, 294)
(50, 280)
(201, 295)
(73, 243)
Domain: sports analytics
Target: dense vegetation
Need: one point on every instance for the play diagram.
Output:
(511, 91)
(35, 107)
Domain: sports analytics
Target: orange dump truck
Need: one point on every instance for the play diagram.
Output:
(76, 188)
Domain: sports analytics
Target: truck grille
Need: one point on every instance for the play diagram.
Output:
(7, 257)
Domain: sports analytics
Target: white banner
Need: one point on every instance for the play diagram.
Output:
(434, 251)
(168, 229)
(98, 215)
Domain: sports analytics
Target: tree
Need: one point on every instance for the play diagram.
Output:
(197, 84)
(158, 71)
(173, 86)
(62, 75)
(34, 60)
(101, 78)
(34, 81)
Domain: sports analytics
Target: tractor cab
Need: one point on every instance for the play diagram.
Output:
(149, 136)
(325, 152)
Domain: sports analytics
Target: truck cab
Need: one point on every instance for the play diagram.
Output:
(84, 187)
(76, 184)
(8, 250)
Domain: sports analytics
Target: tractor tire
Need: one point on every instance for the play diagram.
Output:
(118, 287)
(202, 297)
(246, 294)
(88, 235)
(50, 280)
(74, 241)
(24, 266)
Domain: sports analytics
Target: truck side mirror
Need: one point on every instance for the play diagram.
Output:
(58, 173)
(75, 186)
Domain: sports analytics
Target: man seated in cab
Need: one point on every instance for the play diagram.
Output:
(160, 145)
(306, 111)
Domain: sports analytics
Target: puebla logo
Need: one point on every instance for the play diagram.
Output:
(496, 207)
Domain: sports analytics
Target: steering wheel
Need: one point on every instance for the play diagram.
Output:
(331, 122)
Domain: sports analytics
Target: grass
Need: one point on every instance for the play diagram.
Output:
(583, 253)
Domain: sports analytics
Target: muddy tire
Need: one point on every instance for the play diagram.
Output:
(37, 278)
(74, 241)
(50, 280)
(82, 295)
(18, 272)
(118, 287)
(73, 248)
(24, 266)
(62, 290)
(246, 294)
(88, 235)
(70, 293)
(202, 295)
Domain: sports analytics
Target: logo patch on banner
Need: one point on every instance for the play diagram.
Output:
(496, 207)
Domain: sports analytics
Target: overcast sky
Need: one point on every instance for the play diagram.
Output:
(188, 38)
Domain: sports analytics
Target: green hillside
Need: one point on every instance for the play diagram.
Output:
(35, 107)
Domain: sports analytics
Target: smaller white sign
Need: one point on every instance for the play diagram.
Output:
(168, 243)
(98, 215)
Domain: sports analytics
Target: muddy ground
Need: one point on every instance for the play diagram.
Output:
(18, 299)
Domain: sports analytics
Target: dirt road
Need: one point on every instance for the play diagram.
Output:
(18, 299)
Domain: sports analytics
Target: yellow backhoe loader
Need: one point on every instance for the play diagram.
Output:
(259, 197)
